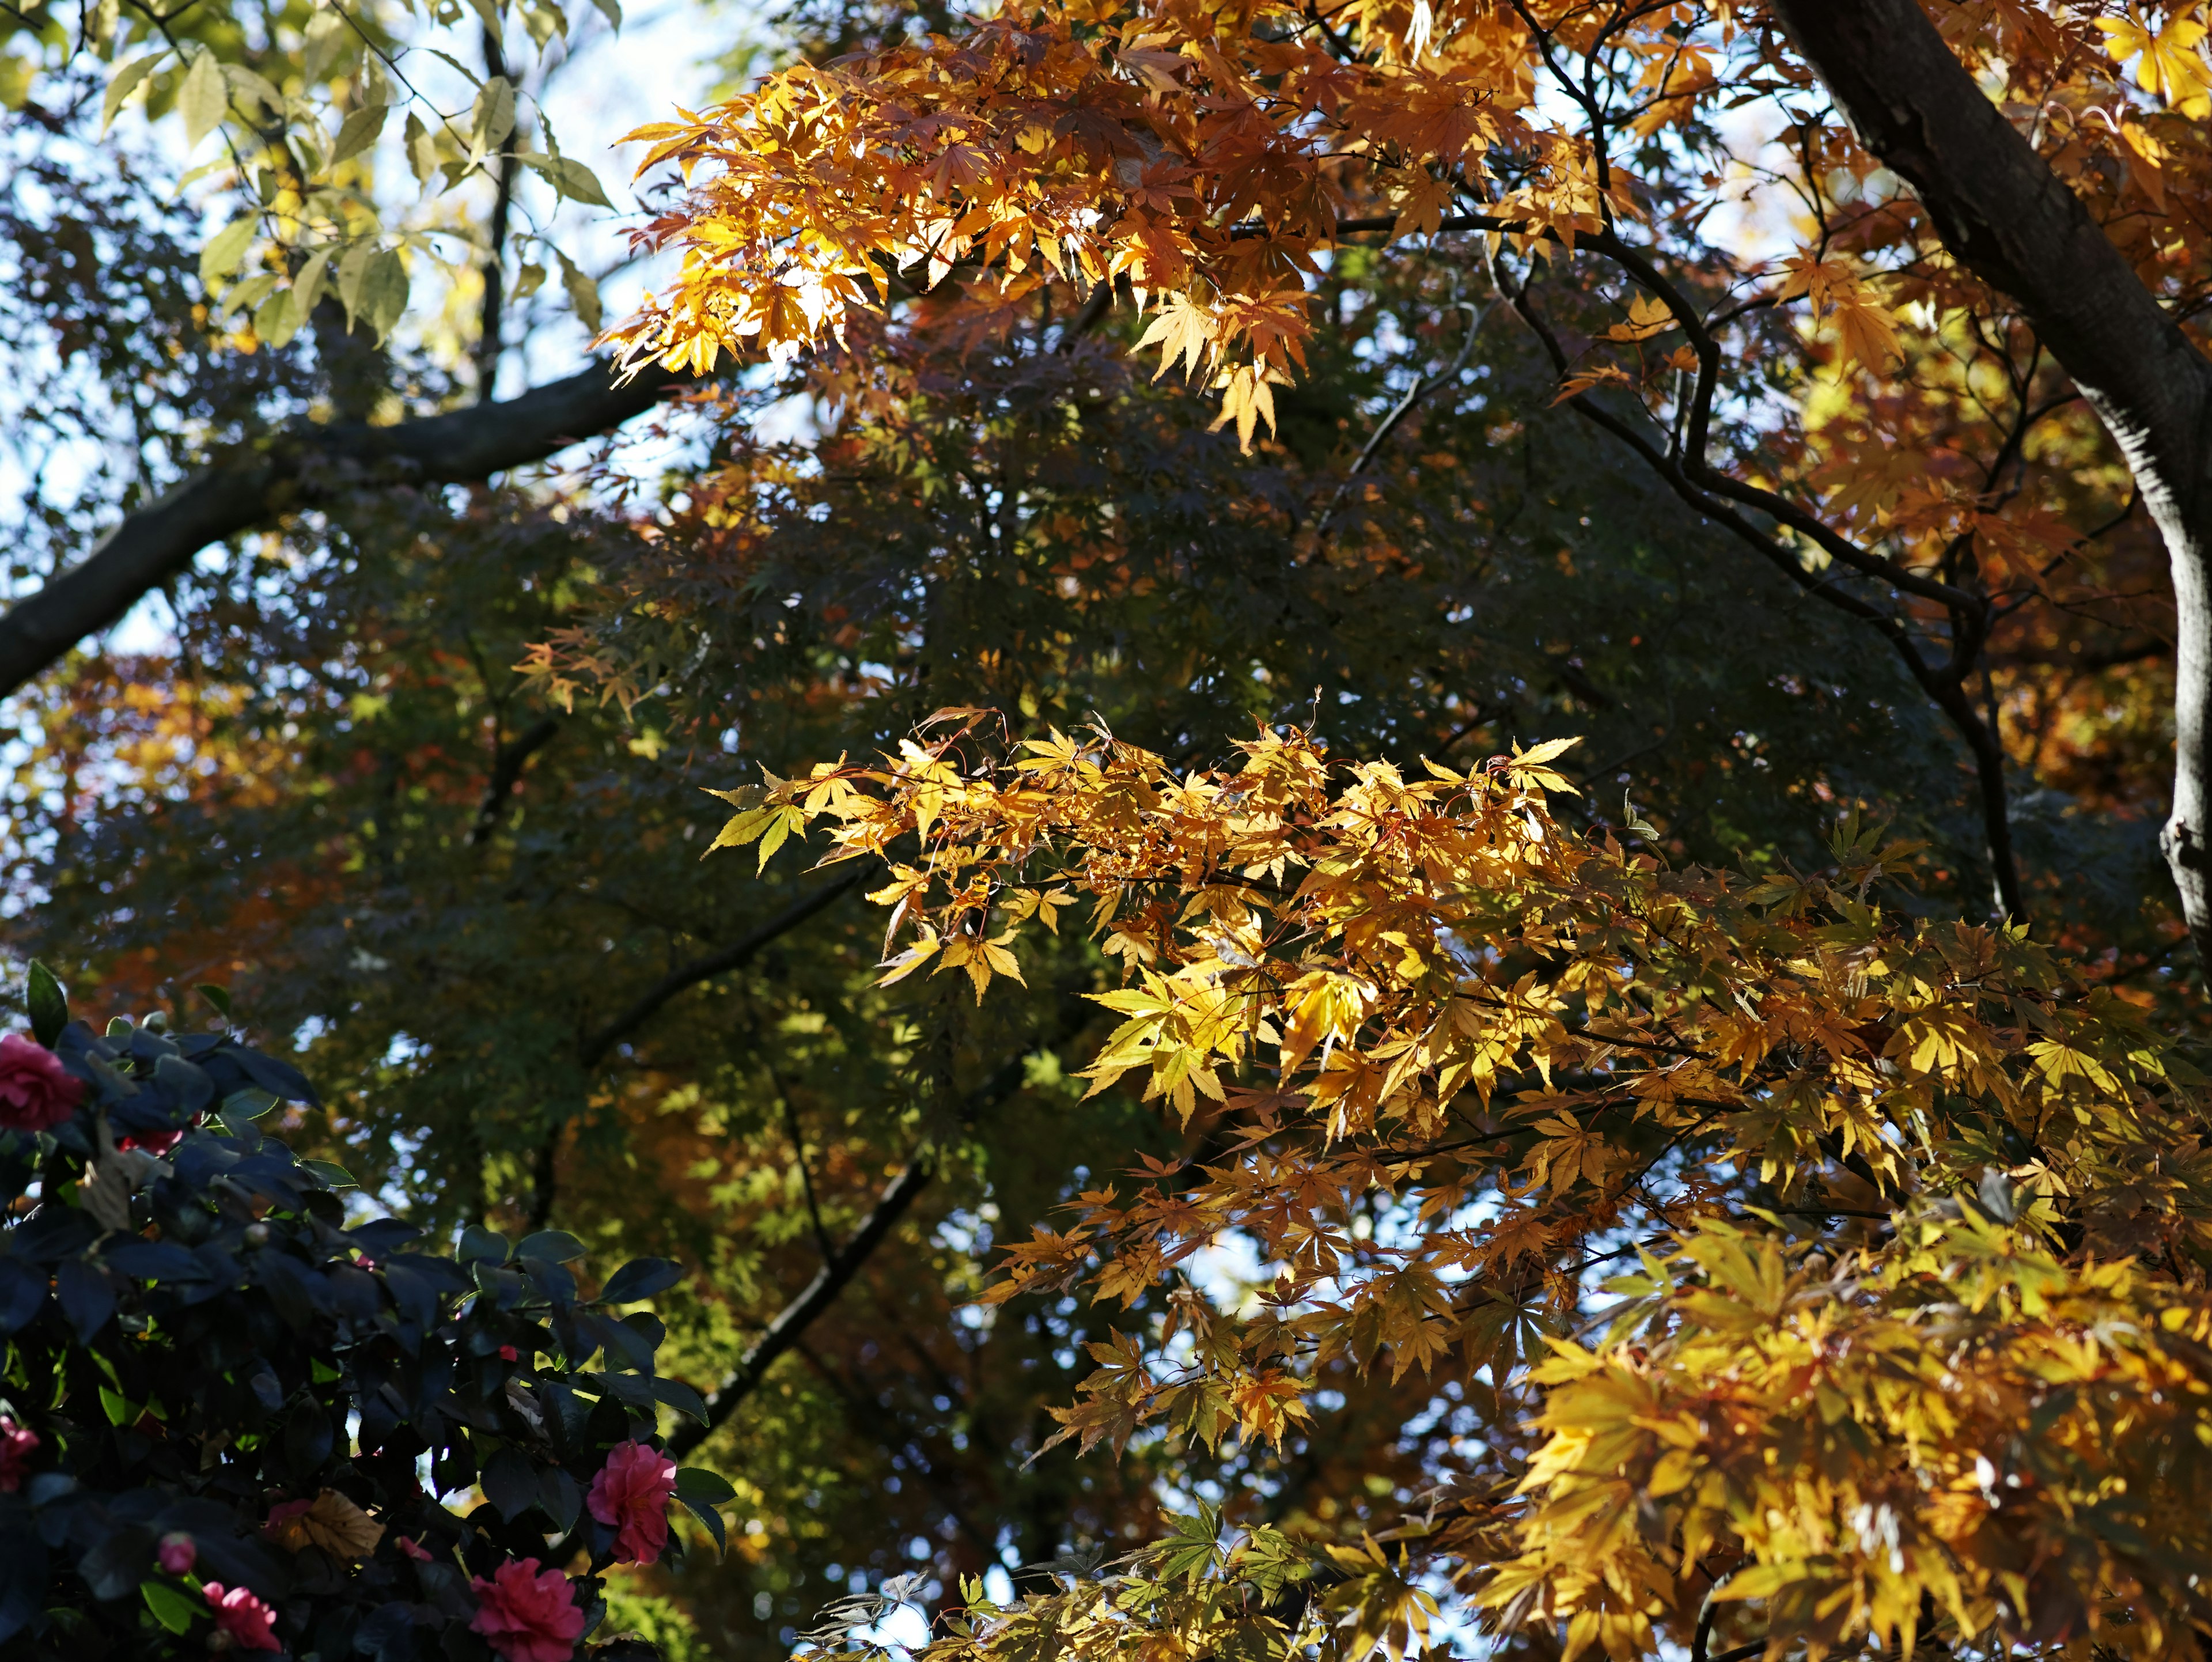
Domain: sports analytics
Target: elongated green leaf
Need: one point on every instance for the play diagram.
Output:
(583, 292)
(226, 251)
(49, 1005)
(571, 178)
(203, 99)
(171, 1608)
(358, 131)
(492, 117)
(126, 82)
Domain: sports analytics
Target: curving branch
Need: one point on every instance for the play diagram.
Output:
(2010, 219)
(735, 955)
(257, 483)
(820, 1292)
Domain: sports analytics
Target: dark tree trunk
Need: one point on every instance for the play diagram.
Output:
(2013, 221)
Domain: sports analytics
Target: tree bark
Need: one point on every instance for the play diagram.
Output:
(2006, 216)
(256, 484)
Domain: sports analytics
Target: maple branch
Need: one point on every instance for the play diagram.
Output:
(736, 955)
(1944, 684)
(839, 1267)
(2003, 212)
(1422, 386)
(259, 482)
(794, 1318)
(507, 763)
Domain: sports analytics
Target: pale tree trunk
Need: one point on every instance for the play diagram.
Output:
(2013, 221)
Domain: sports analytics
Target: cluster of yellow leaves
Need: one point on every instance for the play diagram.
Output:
(1449, 1057)
(1201, 152)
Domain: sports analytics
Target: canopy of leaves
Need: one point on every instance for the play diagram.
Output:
(1917, 1340)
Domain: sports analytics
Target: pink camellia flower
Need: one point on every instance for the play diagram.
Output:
(527, 1615)
(155, 1144)
(281, 1513)
(507, 1353)
(36, 1092)
(16, 1446)
(241, 1620)
(631, 1492)
(177, 1554)
(412, 1549)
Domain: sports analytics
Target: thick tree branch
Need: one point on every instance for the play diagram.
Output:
(2003, 212)
(793, 1318)
(784, 1331)
(508, 759)
(257, 483)
(736, 955)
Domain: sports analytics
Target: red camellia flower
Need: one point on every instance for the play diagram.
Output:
(527, 1615)
(16, 1446)
(241, 1619)
(179, 1553)
(631, 1492)
(35, 1092)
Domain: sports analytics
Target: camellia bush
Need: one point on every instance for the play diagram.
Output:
(232, 1420)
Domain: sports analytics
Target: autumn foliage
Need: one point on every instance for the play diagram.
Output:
(1806, 1272)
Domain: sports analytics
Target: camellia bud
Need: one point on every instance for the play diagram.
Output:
(219, 1640)
(178, 1554)
(257, 1234)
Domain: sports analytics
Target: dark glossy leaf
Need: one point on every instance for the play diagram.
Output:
(696, 1484)
(47, 1004)
(22, 1291)
(561, 1497)
(388, 1634)
(706, 1515)
(155, 1261)
(681, 1398)
(482, 1245)
(88, 1299)
(554, 1245)
(510, 1482)
(22, 1579)
(280, 1078)
(118, 1562)
(641, 1278)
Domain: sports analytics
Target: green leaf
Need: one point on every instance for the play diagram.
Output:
(482, 1245)
(571, 178)
(421, 151)
(703, 1488)
(612, 10)
(492, 118)
(337, 1177)
(247, 87)
(327, 36)
(171, 1608)
(358, 131)
(641, 1278)
(244, 296)
(308, 287)
(117, 1407)
(218, 996)
(203, 99)
(674, 1393)
(226, 251)
(383, 297)
(583, 292)
(554, 1245)
(48, 1005)
(126, 83)
(709, 1517)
